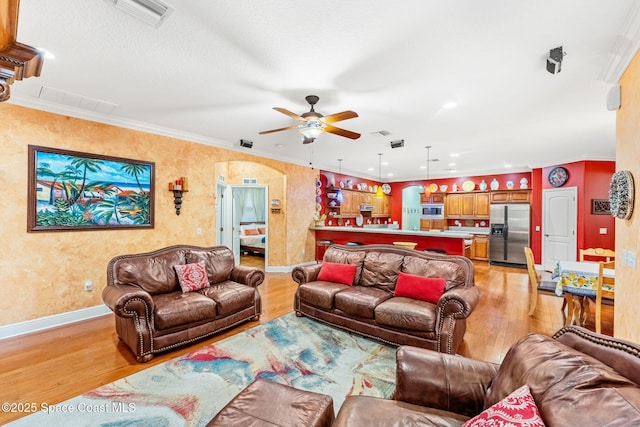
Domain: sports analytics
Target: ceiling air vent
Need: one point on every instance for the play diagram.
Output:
(152, 12)
(249, 180)
(381, 132)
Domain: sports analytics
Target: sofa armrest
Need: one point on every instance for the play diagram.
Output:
(442, 381)
(128, 301)
(249, 276)
(459, 302)
(306, 273)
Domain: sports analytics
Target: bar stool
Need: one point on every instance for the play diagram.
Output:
(438, 251)
(408, 245)
(321, 247)
(354, 244)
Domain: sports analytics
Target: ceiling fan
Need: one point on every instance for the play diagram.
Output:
(312, 124)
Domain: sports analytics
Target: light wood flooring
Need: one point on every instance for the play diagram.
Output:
(58, 364)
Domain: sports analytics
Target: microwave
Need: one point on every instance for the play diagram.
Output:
(432, 211)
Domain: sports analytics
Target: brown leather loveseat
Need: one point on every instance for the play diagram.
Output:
(576, 378)
(371, 306)
(154, 313)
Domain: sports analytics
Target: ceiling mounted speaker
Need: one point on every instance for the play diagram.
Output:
(397, 144)
(613, 98)
(246, 143)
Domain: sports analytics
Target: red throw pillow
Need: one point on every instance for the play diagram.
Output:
(419, 287)
(339, 273)
(192, 276)
(517, 409)
(251, 232)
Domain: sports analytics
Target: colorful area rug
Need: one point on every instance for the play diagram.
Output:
(190, 390)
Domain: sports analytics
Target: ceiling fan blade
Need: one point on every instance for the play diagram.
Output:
(288, 113)
(342, 132)
(278, 130)
(339, 117)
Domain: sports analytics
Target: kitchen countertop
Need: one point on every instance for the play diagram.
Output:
(459, 234)
(470, 230)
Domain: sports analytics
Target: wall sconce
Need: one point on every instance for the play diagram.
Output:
(179, 186)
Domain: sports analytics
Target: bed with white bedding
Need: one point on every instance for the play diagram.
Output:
(253, 237)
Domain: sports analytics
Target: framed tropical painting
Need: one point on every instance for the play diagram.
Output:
(71, 191)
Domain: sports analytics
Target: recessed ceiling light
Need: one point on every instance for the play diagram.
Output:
(370, 169)
(449, 105)
(451, 164)
(454, 154)
(390, 174)
(385, 163)
(423, 167)
(452, 171)
(507, 166)
(279, 145)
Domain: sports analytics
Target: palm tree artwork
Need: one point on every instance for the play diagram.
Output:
(78, 191)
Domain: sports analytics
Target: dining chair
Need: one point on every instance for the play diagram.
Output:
(607, 254)
(537, 285)
(602, 293)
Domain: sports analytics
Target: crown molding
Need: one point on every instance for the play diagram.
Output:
(624, 47)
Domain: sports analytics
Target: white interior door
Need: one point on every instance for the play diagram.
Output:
(559, 224)
(224, 216)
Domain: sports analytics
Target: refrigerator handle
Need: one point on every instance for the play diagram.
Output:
(505, 232)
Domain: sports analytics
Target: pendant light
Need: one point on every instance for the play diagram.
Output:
(427, 189)
(379, 193)
(339, 192)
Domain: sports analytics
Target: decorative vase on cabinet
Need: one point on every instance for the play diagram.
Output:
(524, 182)
(494, 184)
(483, 185)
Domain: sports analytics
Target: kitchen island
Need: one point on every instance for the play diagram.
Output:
(452, 242)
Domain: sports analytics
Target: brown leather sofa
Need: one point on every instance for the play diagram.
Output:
(153, 314)
(577, 378)
(369, 306)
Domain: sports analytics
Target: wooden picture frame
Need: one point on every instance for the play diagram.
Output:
(600, 207)
(73, 191)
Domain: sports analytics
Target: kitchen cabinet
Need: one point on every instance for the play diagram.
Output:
(432, 198)
(511, 196)
(349, 207)
(480, 247)
(432, 224)
(467, 205)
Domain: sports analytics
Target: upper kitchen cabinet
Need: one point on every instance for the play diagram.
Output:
(467, 205)
(432, 198)
(511, 196)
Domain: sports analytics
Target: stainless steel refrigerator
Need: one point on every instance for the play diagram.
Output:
(509, 234)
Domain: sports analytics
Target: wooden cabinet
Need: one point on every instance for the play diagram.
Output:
(432, 198)
(467, 205)
(511, 196)
(480, 247)
(432, 224)
(349, 207)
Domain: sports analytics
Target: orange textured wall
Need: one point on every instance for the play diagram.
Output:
(43, 273)
(626, 313)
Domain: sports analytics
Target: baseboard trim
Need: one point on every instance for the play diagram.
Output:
(48, 322)
(285, 268)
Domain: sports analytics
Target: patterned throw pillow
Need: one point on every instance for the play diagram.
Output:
(192, 276)
(517, 409)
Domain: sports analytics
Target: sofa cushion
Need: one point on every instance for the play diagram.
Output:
(557, 374)
(336, 272)
(517, 409)
(219, 262)
(428, 289)
(192, 277)
(153, 273)
(335, 254)
(178, 309)
(452, 272)
(381, 270)
(373, 411)
(230, 297)
(407, 313)
(320, 294)
(360, 301)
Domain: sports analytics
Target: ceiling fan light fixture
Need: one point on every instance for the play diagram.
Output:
(311, 129)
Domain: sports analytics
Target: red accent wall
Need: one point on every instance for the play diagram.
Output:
(592, 180)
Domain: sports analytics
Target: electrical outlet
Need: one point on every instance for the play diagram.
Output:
(198, 231)
(88, 285)
(603, 231)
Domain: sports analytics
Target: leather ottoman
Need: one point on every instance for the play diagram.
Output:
(267, 403)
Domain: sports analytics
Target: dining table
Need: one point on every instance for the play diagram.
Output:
(577, 280)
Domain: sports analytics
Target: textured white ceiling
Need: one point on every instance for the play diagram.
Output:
(214, 70)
